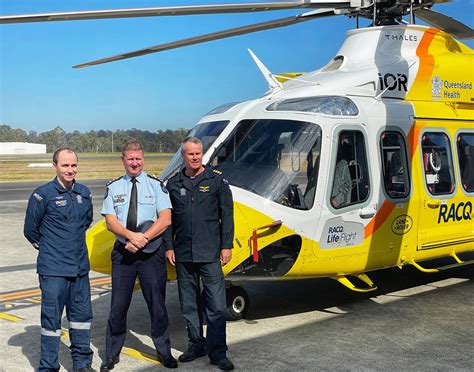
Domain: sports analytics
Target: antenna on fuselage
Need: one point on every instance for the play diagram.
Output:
(394, 82)
(272, 81)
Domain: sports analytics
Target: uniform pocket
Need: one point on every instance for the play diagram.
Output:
(179, 203)
(119, 210)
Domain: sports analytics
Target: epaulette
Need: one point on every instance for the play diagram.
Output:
(173, 176)
(153, 177)
(162, 185)
(217, 171)
(112, 181)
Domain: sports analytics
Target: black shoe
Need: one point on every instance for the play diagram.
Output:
(168, 362)
(190, 355)
(223, 364)
(85, 369)
(109, 364)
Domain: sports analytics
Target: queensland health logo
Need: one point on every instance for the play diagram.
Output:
(446, 89)
(436, 87)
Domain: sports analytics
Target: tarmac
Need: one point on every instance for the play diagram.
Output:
(414, 321)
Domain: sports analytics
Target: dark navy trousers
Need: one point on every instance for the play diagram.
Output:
(212, 300)
(151, 271)
(73, 293)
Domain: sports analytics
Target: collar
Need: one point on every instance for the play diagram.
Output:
(61, 188)
(140, 178)
(185, 180)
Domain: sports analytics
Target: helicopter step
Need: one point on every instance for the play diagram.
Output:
(345, 281)
(458, 263)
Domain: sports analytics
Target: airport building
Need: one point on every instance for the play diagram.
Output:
(19, 148)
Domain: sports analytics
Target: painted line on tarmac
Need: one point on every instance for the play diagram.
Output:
(9, 317)
(19, 294)
(65, 334)
(139, 355)
(8, 269)
(31, 297)
(133, 353)
(13, 201)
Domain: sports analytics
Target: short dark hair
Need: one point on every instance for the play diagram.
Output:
(132, 145)
(61, 149)
(194, 140)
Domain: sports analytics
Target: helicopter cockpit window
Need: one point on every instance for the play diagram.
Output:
(207, 133)
(437, 163)
(221, 109)
(351, 174)
(394, 165)
(328, 105)
(276, 159)
(466, 160)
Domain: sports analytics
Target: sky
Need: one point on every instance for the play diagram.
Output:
(40, 90)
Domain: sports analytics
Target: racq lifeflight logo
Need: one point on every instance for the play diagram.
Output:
(338, 233)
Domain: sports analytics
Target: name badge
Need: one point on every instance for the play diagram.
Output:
(120, 198)
(60, 203)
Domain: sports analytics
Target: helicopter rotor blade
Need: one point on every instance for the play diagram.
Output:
(281, 22)
(445, 23)
(174, 11)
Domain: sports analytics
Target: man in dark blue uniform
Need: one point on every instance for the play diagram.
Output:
(131, 201)
(56, 221)
(199, 242)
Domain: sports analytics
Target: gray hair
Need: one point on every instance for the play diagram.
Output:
(194, 140)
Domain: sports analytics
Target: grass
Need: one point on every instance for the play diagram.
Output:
(14, 168)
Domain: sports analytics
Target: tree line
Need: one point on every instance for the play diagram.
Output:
(166, 141)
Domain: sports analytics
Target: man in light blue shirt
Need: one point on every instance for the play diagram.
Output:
(137, 210)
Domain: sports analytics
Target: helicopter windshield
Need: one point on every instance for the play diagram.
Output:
(207, 133)
(276, 159)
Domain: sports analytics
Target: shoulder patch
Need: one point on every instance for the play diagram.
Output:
(38, 196)
(216, 171)
(163, 188)
(112, 181)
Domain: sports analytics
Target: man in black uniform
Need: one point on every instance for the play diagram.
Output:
(199, 242)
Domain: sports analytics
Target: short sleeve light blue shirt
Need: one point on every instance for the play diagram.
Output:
(151, 196)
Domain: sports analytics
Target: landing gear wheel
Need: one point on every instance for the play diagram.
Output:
(237, 303)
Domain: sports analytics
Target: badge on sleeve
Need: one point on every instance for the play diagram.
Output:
(106, 193)
(38, 197)
(225, 181)
(163, 188)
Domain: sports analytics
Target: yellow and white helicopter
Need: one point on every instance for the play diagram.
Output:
(366, 163)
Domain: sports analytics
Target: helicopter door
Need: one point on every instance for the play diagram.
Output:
(349, 192)
(437, 226)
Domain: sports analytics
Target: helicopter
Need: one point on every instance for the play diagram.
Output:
(364, 164)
